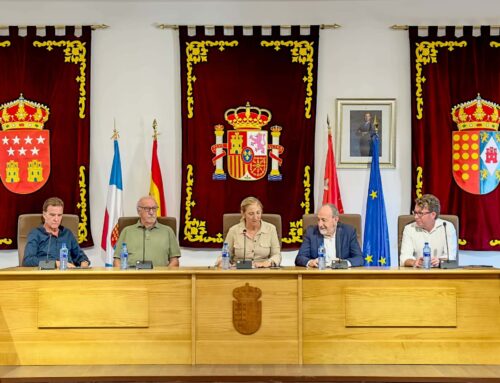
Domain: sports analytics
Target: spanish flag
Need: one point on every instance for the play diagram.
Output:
(156, 187)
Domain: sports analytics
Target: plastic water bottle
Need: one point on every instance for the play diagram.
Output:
(321, 257)
(225, 257)
(124, 257)
(63, 257)
(427, 256)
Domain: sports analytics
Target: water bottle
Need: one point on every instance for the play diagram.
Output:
(63, 257)
(124, 257)
(225, 257)
(427, 256)
(321, 257)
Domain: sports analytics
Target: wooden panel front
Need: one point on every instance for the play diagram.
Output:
(93, 308)
(328, 339)
(166, 340)
(358, 316)
(400, 307)
(217, 340)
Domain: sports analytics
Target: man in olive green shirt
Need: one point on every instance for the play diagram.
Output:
(148, 240)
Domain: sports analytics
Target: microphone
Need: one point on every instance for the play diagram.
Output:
(47, 264)
(447, 263)
(144, 265)
(339, 264)
(244, 264)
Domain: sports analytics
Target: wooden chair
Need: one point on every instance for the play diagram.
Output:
(231, 219)
(167, 221)
(27, 222)
(405, 219)
(349, 219)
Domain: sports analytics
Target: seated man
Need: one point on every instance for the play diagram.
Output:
(45, 241)
(148, 240)
(428, 228)
(339, 240)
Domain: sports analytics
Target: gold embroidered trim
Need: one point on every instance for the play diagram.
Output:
(426, 53)
(420, 183)
(296, 227)
(82, 205)
(74, 52)
(4, 44)
(197, 52)
(195, 230)
(302, 53)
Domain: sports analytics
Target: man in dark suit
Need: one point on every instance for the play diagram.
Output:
(339, 240)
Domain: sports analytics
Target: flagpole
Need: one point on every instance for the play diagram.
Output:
(331, 189)
(156, 184)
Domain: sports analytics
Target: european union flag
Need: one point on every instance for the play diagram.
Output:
(376, 250)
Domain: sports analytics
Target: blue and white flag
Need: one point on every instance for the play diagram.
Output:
(376, 248)
(114, 207)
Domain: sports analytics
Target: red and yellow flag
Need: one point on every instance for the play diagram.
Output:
(156, 186)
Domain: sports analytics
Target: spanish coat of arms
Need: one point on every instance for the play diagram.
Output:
(247, 146)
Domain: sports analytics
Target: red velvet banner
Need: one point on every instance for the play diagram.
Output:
(45, 116)
(248, 123)
(455, 138)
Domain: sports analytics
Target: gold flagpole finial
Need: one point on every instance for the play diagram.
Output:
(328, 124)
(375, 124)
(115, 135)
(155, 130)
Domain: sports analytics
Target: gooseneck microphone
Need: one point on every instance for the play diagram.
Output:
(447, 263)
(47, 264)
(144, 265)
(143, 244)
(244, 264)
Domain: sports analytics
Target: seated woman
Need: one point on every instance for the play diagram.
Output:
(261, 244)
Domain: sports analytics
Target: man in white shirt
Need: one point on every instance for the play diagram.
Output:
(428, 227)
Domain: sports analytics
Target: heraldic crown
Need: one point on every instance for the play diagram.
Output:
(247, 293)
(248, 117)
(476, 114)
(23, 114)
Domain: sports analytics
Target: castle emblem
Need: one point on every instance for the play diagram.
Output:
(247, 146)
(24, 146)
(247, 309)
(476, 146)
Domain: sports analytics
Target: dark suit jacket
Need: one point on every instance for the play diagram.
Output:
(346, 245)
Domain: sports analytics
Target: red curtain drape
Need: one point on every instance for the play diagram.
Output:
(52, 70)
(447, 71)
(276, 75)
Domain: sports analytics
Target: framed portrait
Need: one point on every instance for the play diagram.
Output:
(357, 121)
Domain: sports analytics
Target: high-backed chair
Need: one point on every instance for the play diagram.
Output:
(27, 222)
(231, 219)
(349, 219)
(167, 221)
(404, 220)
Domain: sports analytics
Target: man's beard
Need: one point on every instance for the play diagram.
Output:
(323, 231)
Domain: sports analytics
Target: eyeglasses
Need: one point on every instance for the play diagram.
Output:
(148, 209)
(420, 213)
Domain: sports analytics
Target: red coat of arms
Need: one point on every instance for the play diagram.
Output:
(24, 146)
(247, 146)
(476, 146)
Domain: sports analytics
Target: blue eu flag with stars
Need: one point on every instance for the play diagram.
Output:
(376, 249)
